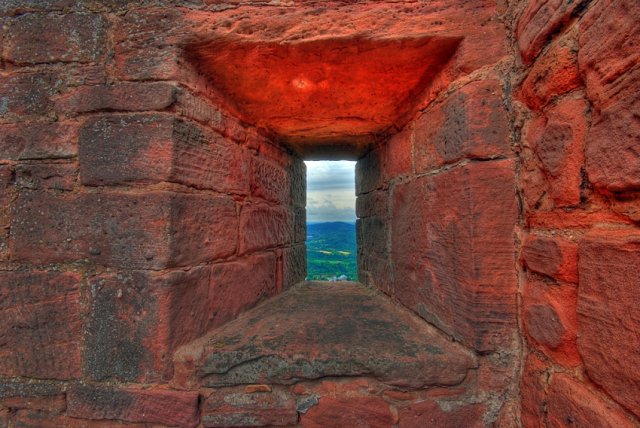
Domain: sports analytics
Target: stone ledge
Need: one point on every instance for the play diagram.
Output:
(317, 330)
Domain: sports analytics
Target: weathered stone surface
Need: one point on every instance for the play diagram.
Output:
(554, 256)
(38, 140)
(46, 396)
(608, 314)
(154, 230)
(371, 412)
(26, 94)
(609, 57)
(398, 154)
(554, 73)
(263, 226)
(471, 123)
(173, 408)
(137, 319)
(118, 97)
(452, 249)
(40, 419)
(239, 285)
(7, 191)
(533, 383)
(233, 407)
(369, 172)
(431, 414)
(540, 20)
(294, 265)
(558, 142)
(318, 330)
(270, 181)
(146, 148)
(549, 318)
(40, 325)
(612, 147)
(55, 176)
(571, 403)
(67, 37)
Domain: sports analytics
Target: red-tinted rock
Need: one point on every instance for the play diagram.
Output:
(38, 140)
(232, 407)
(45, 396)
(608, 314)
(539, 21)
(431, 414)
(294, 265)
(471, 123)
(553, 256)
(553, 74)
(571, 403)
(264, 226)
(609, 56)
(453, 251)
(137, 319)
(26, 94)
(369, 172)
(6, 196)
(371, 412)
(56, 176)
(118, 97)
(398, 156)
(40, 325)
(533, 384)
(39, 419)
(613, 144)
(270, 181)
(559, 145)
(239, 285)
(549, 318)
(321, 330)
(45, 38)
(154, 230)
(150, 148)
(173, 408)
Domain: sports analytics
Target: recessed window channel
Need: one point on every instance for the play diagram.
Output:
(331, 217)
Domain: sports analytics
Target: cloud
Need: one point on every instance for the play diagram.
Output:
(330, 175)
(330, 191)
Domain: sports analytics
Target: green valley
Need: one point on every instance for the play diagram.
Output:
(331, 251)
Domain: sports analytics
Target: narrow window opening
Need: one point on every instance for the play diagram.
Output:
(331, 216)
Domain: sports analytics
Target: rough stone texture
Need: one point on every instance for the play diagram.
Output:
(172, 408)
(229, 407)
(53, 176)
(471, 123)
(317, 330)
(26, 94)
(570, 403)
(264, 226)
(38, 140)
(358, 411)
(453, 251)
(68, 38)
(608, 316)
(554, 256)
(40, 325)
(534, 381)
(45, 396)
(430, 413)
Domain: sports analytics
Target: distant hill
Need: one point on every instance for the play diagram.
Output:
(331, 251)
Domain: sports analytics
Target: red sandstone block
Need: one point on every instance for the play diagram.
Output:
(471, 123)
(398, 156)
(609, 55)
(157, 147)
(373, 204)
(294, 265)
(431, 414)
(56, 176)
(232, 407)
(549, 317)
(45, 396)
(571, 403)
(300, 225)
(239, 285)
(45, 38)
(172, 408)
(298, 177)
(539, 21)
(369, 172)
(533, 384)
(612, 145)
(452, 251)
(6, 196)
(5, 414)
(138, 318)
(40, 325)
(608, 313)
(26, 94)
(263, 226)
(38, 140)
(144, 96)
(151, 230)
(552, 256)
(558, 142)
(554, 73)
(39, 419)
(350, 411)
(270, 181)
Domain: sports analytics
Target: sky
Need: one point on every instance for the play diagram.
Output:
(331, 191)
